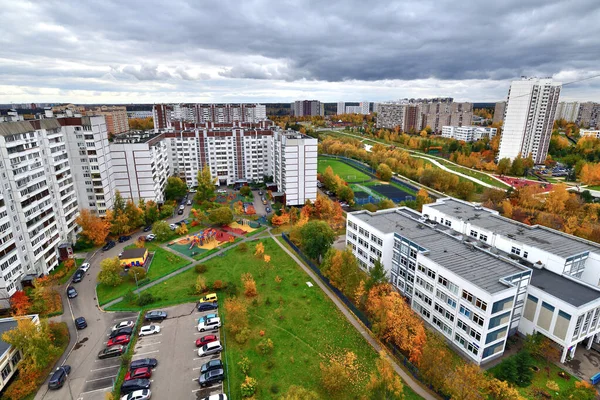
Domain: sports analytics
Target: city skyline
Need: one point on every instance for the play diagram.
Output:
(143, 53)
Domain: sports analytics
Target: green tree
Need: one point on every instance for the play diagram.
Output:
(377, 274)
(167, 211)
(162, 230)
(507, 371)
(151, 213)
(176, 188)
(316, 237)
(118, 204)
(110, 272)
(464, 190)
(245, 191)
(136, 273)
(503, 167)
(384, 172)
(518, 166)
(344, 193)
(34, 341)
(328, 178)
(206, 185)
(524, 364)
(385, 204)
(135, 215)
(221, 216)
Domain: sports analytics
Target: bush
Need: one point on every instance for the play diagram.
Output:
(248, 387)
(136, 272)
(245, 365)
(200, 268)
(145, 299)
(230, 289)
(270, 364)
(265, 346)
(275, 389)
(245, 190)
(243, 336)
(243, 247)
(552, 386)
(200, 285)
(129, 297)
(217, 285)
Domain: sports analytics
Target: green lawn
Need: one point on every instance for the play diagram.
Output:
(304, 325)
(593, 187)
(164, 262)
(474, 174)
(64, 279)
(541, 377)
(345, 171)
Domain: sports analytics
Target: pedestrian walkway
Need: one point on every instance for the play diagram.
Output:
(406, 377)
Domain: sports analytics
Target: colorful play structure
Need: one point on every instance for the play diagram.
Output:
(202, 237)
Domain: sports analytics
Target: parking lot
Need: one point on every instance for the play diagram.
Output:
(178, 369)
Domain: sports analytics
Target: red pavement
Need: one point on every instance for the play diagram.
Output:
(521, 182)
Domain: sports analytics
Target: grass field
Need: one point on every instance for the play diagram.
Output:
(346, 172)
(164, 262)
(474, 174)
(304, 325)
(64, 279)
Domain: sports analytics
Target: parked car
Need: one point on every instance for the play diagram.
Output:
(109, 245)
(143, 394)
(206, 340)
(210, 348)
(78, 276)
(142, 363)
(59, 377)
(121, 339)
(134, 384)
(85, 266)
(122, 331)
(173, 227)
(268, 209)
(209, 298)
(192, 190)
(264, 202)
(209, 325)
(71, 292)
(260, 192)
(189, 202)
(109, 352)
(220, 396)
(149, 330)
(207, 316)
(148, 228)
(123, 324)
(211, 377)
(155, 315)
(222, 191)
(208, 306)
(80, 323)
(211, 365)
(150, 237)
(124, 238)
(140, 373)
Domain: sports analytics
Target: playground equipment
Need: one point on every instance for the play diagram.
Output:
(202, 237)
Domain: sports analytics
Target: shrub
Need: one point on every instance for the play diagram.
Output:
(200, 268)
(145, 299)
(245, 365)
(125, 359)
(243, 336)
(230, 289)
(248, 387)
(218, 284)
(129, 297)
(243, 247)
(200, 284)
(265, 346)
(249, 285)
(552, 386)
(136, 273)
(275, 389)
(269, 364)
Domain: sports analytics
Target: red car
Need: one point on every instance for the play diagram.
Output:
(205, 340)
(122, 339)
(140, 373)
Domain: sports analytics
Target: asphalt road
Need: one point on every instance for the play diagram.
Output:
(91, 378)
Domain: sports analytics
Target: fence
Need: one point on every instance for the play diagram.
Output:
(396, 352)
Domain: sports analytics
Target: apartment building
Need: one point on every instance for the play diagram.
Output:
(569, 111)
(436, 114)
(589, 115)
(353, 110)
(90, 158)
(589, 133)
(295, 166)
(139, 114)
(499, 110)
(365, 107)
(140, 165)
(307, 107)
(469, 295)
(162, 115)
(10, 356)
(166, 114)
(39, 199)
(116, 118)
(391, 115)
(468, 133)
(341, 107)
(529, 118)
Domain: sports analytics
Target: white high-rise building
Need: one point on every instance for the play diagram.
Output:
(569, 111)
(468, 133)
(530, 110)
(341, 107)
(364, 107)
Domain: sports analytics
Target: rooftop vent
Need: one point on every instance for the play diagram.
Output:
(511, 236)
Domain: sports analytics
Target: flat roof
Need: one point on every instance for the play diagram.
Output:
(7, 324)
(550, 240)
(133, 253)
(477, 266)
(567, 290)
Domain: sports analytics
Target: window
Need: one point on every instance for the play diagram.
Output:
(525, 254)
(448, 223)
(467, 296)
(501, 305)
(474, 234)
(15, 359)
(483, 237)
(515, 250)
(428, 286)
(447, 284)
(423, 297)
(6, 372)
(495, 335)
(482, 305)
(465, 311)
(443, 312)
(477, 319)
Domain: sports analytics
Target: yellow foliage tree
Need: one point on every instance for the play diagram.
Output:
(259, 250)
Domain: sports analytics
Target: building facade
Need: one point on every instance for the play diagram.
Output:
(116, 118)
(569, 111)
(589, 115)
(499, 111)
(302, 108)
(589, 133)
(365, 107)
(341, 108)
(197, 113)
(391, 115)
(9, 355)
(529, 118)
(468, 133)
(139, 114)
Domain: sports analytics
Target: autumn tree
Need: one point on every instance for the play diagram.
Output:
(316, 237)
(237, 315)
(395, 322)
(503, 167)
(206, 185)
(259, 250)
(377, 274)
(181, 229)
(35, 342)
(44, 292)
(582, 390)
(339, 374)
(464, 190)
(136, 273)
(384, 383)
(540, 346)
(166, 211)
(249, 285)
(20, 303)
(501, 390)
(110, 272)
(556, 199)
(422, 198)
(436, 362)
(517, 167)
(94, 228)
(341, 268)
(384, 172)
(221, 216)
(328, 178)
(176, 189)
(466, 382)
(299, 393)
(162, 230)
(151, 213)
(385, 204)
(344, 193)
(135, 215)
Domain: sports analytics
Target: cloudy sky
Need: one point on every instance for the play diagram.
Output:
(278, 51)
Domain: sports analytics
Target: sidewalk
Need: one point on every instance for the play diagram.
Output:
(406, 377)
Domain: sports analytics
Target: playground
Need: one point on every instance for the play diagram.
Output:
(519, 183)
(241, 227)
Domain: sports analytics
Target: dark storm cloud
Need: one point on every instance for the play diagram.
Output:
(191, 41)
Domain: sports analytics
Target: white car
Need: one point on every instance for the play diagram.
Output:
(189, 203)
(221, 191)
(210, 348)
(143, 394)
(124, 324)
(173, 227)
(149, 330)
(209, 325)
(216, 397)
(150, 237)
(85, 266)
